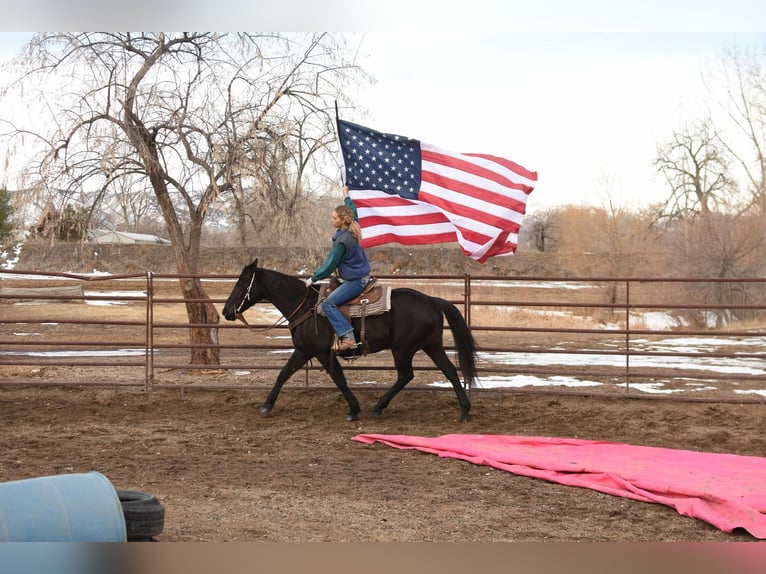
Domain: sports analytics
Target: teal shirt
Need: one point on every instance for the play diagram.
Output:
(331, 263)
(348, 202)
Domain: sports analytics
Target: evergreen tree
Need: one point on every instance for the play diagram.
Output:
(6, 214)
(73, 224)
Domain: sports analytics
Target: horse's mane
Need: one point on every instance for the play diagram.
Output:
(276, 273)
(285, 279)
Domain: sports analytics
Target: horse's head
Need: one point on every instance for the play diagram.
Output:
(246, 293)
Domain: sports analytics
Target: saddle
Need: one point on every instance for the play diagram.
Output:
(373, 300)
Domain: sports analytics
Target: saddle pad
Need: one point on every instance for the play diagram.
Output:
(381, 305)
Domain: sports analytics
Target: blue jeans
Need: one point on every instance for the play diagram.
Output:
(343, 294)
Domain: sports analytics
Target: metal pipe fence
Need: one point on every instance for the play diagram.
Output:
(587, 332)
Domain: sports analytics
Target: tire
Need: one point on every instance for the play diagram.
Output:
(144, 514)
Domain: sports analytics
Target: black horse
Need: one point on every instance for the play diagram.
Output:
(415, 321)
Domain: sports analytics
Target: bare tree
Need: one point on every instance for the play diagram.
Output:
(614, 212)
(180, 112)
(696, 168)
(539, 230)
(725, 245)
(132, 204)
(744, 101)
(612, 232)
(279, 171)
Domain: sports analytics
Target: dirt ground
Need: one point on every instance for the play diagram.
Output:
(224, 472)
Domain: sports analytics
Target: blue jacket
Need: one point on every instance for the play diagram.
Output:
(346, 255)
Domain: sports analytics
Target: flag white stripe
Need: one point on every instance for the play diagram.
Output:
(407, 230)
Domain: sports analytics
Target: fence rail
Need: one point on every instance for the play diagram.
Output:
(534, 334)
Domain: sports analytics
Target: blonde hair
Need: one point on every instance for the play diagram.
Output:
(346, 215)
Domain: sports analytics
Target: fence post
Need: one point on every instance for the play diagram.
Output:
(467, 298)
(149, 355)
(627, 335)
(467, 313)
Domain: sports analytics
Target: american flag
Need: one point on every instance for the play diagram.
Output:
(412, 193)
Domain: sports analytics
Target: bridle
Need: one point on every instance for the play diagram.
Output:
(247, 295)
(238, 313)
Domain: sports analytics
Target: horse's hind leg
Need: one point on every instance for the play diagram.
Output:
(404, 376)
(441, 360)
(295, 362)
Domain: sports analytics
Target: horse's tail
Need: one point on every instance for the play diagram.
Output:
(464, 341)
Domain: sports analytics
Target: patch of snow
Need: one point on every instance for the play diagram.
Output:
(761, 392)
(135, 295)
(77, 353)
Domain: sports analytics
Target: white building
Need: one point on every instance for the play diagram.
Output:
(105, 236)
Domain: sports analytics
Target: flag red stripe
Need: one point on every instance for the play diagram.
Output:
(384, 200)
(477, 170)
(412, 219)
(500, 245)
(513, 166)
(475, 236)
(408, 239)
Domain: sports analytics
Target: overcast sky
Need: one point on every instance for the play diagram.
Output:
(581, 109)
(581, 92)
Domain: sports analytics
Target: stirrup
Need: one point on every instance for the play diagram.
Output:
(341, 345)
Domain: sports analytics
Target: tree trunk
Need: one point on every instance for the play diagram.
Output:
(201, 313)
(240, 217)
(199, 310)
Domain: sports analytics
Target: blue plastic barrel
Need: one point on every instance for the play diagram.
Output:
(61, 508)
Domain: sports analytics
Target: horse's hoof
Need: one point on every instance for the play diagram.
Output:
(465, 417)
(351, 417)
(265, 409)
(377, 412)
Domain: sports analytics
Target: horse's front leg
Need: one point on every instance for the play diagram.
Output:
(403, 364)
(295, 362)
(332, 366)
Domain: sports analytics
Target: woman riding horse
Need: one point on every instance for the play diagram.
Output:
(349, 259)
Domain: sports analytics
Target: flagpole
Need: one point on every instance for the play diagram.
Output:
(340, 150)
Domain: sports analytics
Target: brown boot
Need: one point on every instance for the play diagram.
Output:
(344, 344)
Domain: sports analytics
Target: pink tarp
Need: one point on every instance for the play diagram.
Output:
(726, 490)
